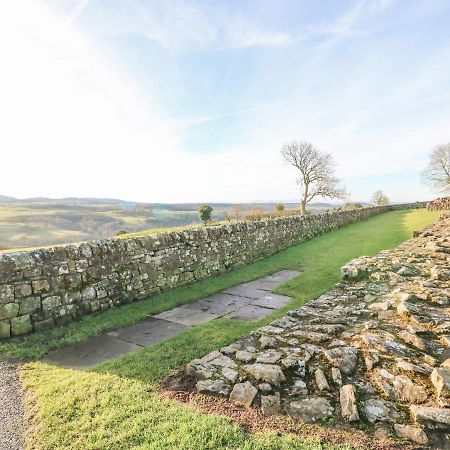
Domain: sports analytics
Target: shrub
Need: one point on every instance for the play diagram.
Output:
(205, 212)
(279, 207)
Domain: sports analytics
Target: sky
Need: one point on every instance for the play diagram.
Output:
(191, 101)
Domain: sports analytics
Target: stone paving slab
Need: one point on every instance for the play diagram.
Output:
(220, 304)
(147, 332)
(249, 313)
(272, 301)
(249, 301)
(91, 352)
(243, 290)
(186, 316)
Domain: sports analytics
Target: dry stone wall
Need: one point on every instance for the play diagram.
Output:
(440, 204)
(41, 288)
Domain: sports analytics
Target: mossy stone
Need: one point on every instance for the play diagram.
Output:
(21, 325)
(9, 310)
(5, 330)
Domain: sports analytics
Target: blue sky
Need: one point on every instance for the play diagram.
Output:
(191, 100)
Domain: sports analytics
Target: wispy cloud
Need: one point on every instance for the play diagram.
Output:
(76, 11)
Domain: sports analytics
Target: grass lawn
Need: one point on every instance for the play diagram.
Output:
(117, 405)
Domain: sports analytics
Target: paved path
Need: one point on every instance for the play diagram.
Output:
(11, 409)
(248, 301)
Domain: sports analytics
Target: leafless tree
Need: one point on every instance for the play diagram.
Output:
(317, 172)
(379, 199)
(437, 173)
(236, 212)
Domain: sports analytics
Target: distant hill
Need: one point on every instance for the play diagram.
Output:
(5, 198)
(41, 221)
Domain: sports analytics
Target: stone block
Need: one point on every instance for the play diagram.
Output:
(40, 286)
(45, 324)
(9, 310)
(21, 325)
(51, 303)
(22, 290)
(5, 329)
(6, 294)
(29, 305)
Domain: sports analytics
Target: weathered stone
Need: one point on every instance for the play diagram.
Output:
(245, 356)
(410, 367)
(21, 325)
(243, 394)
(269, 357)
(371, 360)
(270, 329)
(446, 364)
(40, 286)
(51, 303)
(311, 336)
(22, 290)
(321, 380)
(430, 417)
(345, 358)
(264, 387)
(377, 410)
(266, 372)
(412, 339)
(30, 305)
(213, 387)
(347, 398)
(200, 370)
(6, 293)
(223, 361)
(5, 329)
(336, 375)
(267, 342)
(310, 409)
(380, 306)
(88, 293)
(441, 381)
(414, 434)
(230, 374)
(299, 388)
(231, 349)
(9, 310)
(400, 387)
(270, 404)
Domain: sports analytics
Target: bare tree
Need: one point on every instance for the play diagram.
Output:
(379, 199)
(437, 173)
(236, 212)
(317, 172)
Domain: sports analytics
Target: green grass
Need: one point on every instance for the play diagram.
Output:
(117, 404)
(320, 259)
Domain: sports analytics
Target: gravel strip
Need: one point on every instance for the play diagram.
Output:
(11, 409)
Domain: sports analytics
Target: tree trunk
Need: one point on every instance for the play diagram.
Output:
(303, 206)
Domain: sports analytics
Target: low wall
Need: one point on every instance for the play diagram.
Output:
(440, 204)
(41, 288)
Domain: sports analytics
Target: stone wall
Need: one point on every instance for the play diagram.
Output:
(41, 288)
(440, 204)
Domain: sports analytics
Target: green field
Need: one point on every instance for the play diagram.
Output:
(117, 405)
(45, 222)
